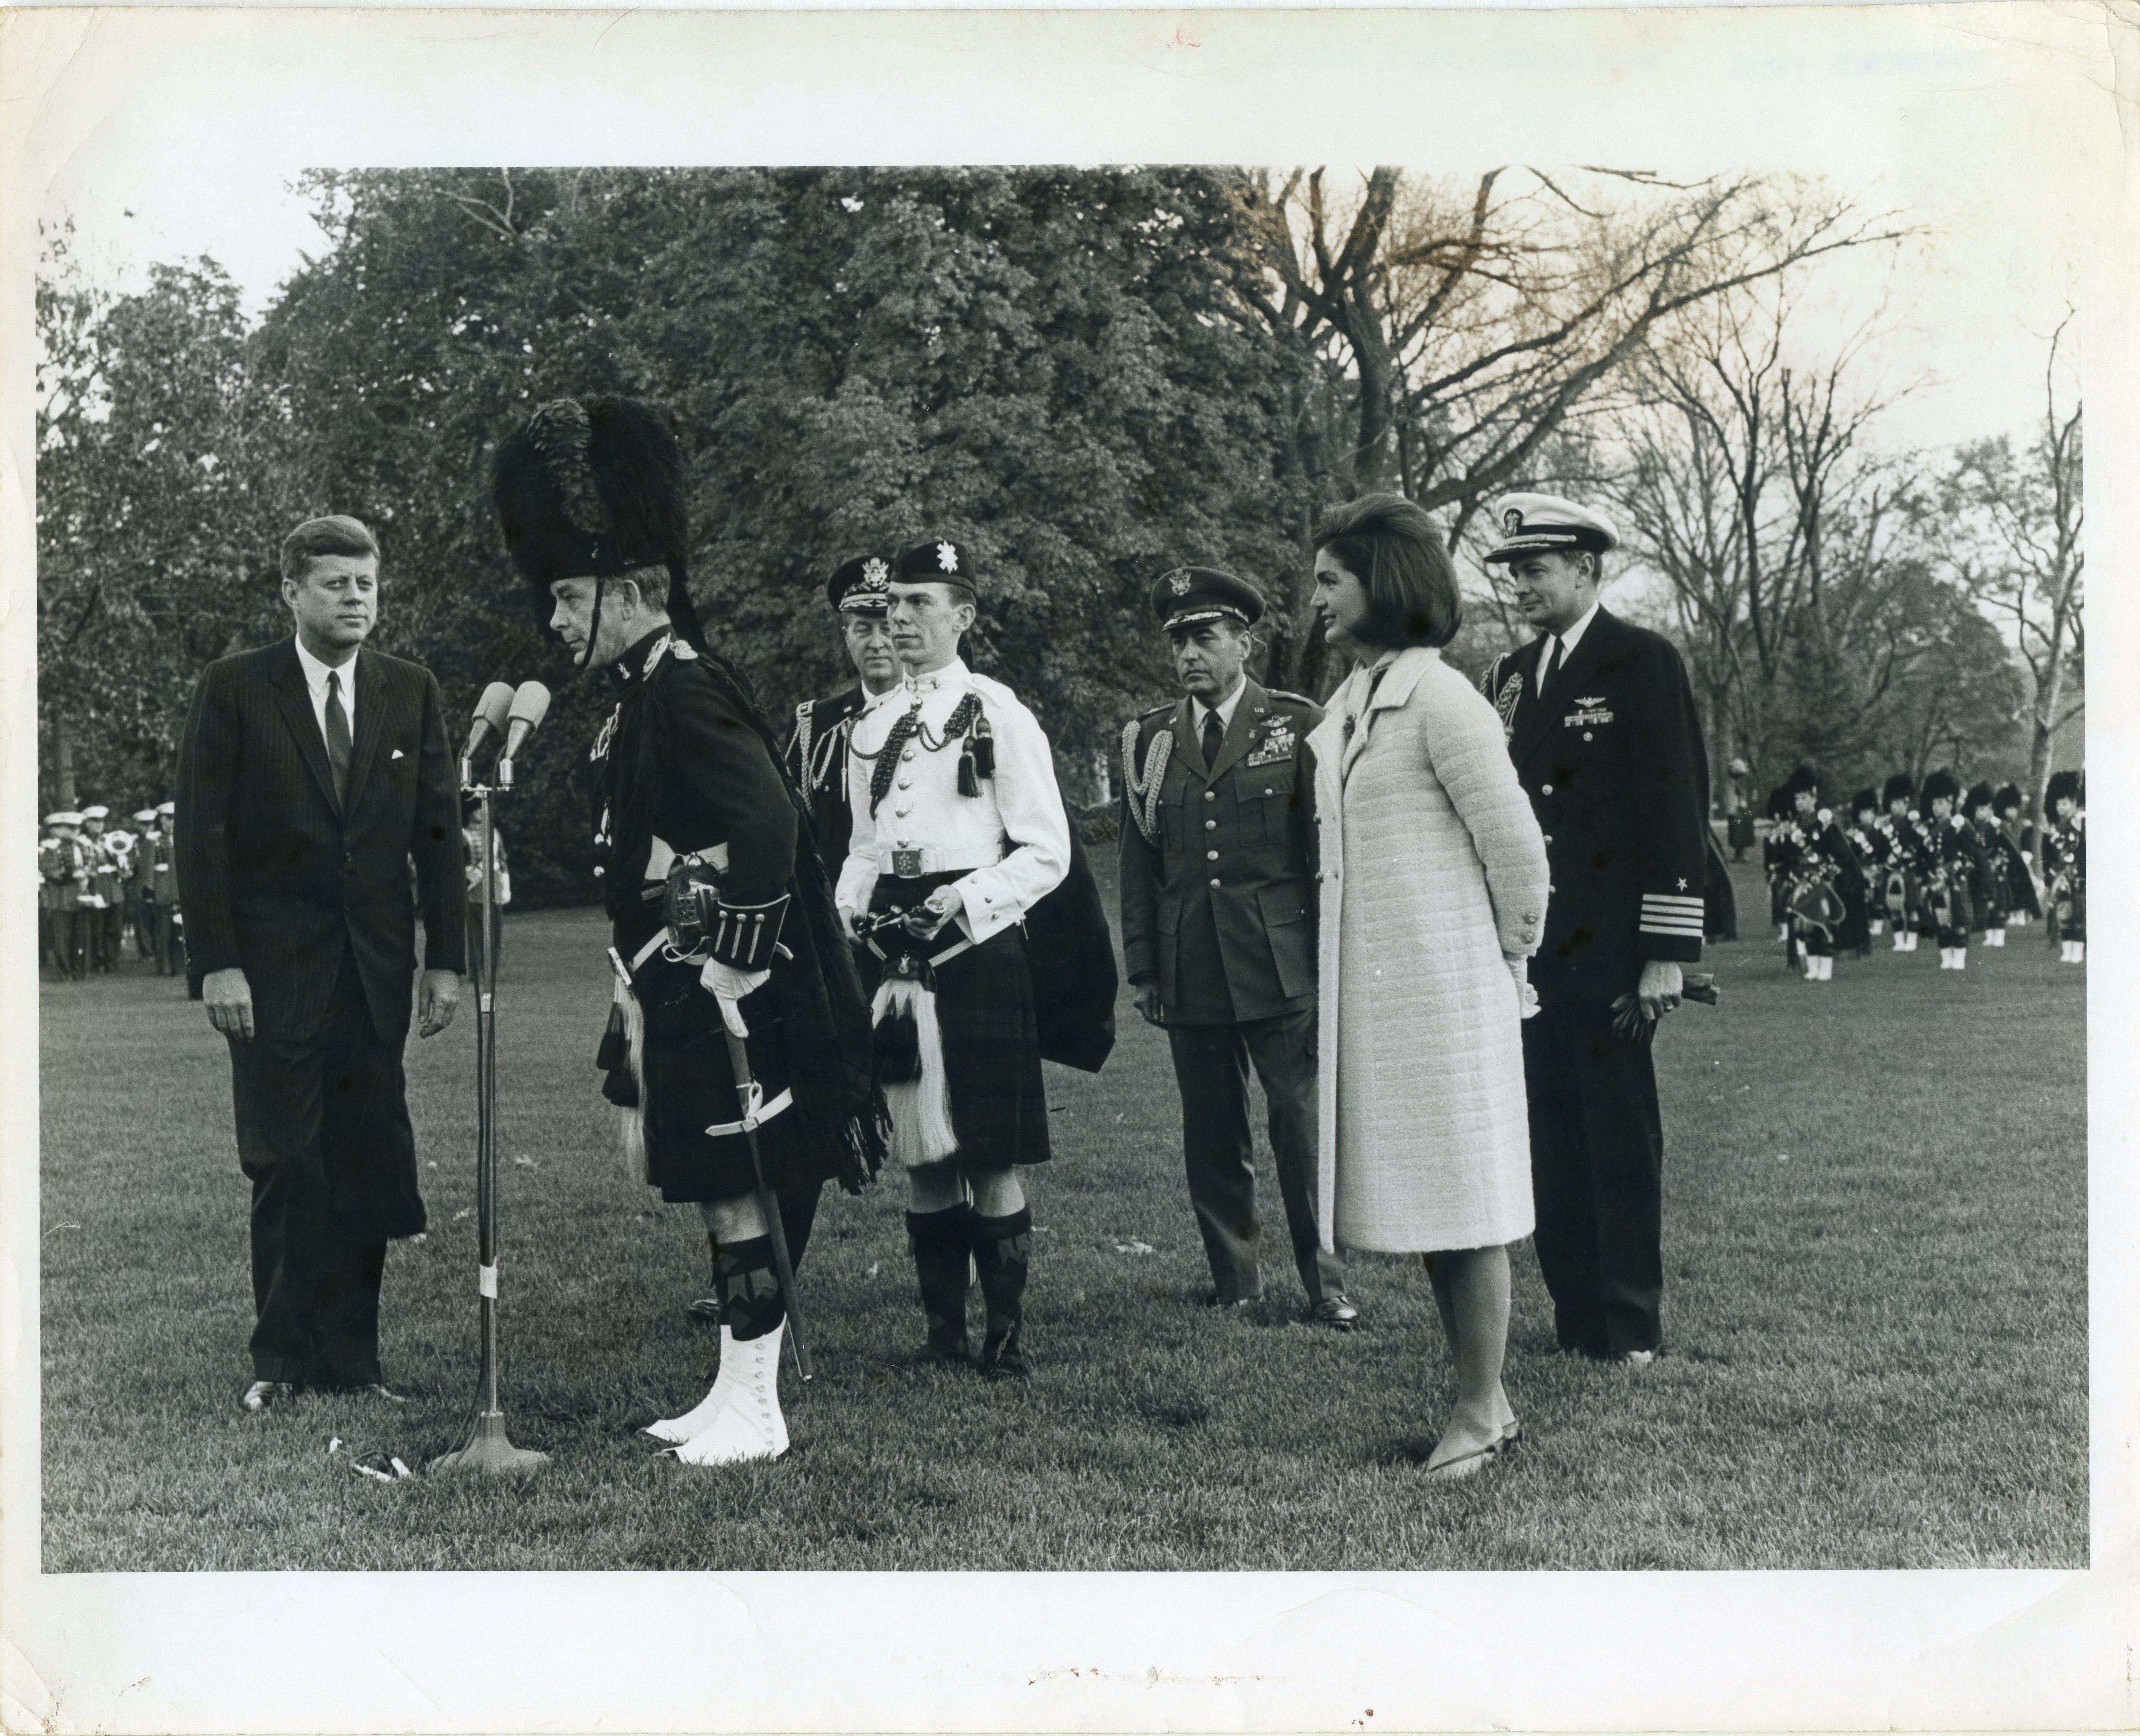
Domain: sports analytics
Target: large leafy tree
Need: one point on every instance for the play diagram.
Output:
(1036, 363)
(156, 509)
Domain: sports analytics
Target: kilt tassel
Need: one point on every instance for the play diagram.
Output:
(916, 1097)
(631, 1123)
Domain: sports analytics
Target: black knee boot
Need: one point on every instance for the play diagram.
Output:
(941, 1241)
(1003, 1251)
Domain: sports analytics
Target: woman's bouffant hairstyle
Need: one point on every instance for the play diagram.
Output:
(1393, 548)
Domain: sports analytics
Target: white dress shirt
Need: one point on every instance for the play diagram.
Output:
(923, 811)
(1569, 641)
(1225, 708)
(316, 682)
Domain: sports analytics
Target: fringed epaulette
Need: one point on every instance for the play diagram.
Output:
(1142, 785)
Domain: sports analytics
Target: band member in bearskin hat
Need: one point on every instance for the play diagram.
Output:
(2065, 866)
(1823, 889)
(961, 837)
(2016, 851)
(1956, 872)
(1980, 807)
(1873, 848)
(722, 926)
(1909, 858)
(859, 592)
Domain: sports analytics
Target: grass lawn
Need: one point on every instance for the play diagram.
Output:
(1876, 1316)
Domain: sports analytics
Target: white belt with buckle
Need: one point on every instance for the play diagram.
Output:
(908, 865)
(760, 1113)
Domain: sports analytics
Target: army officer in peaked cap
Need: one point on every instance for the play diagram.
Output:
(1601, 726)
(1218, 891)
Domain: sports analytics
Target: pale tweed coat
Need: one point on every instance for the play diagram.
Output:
(1433, 870)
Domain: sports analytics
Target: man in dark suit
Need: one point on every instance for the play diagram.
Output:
(1601, 727)
(311, 772)
(1218, 889)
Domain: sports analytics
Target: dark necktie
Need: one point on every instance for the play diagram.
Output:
(1215, 738)
(337, 737)
(1552, 664)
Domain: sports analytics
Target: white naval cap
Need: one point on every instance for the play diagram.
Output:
(1535, 522)
(98, 812)
(65, 817)
(146, 816)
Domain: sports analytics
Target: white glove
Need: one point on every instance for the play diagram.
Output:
(1519, 968)
(728, 985)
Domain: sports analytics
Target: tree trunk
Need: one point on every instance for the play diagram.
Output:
(63, 763)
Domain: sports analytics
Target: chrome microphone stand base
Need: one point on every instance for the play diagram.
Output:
(489, 1452)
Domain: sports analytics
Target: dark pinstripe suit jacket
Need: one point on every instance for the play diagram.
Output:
(276, 879)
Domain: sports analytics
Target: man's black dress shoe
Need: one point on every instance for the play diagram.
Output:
(1335, 1312)
(262, 1394)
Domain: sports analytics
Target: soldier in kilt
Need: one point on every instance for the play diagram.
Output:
(1823, 890)
(816, 758)
(2016, 847)
(1991, 893)
(1872, 850)
(1909, 857)
(1956, 872)
(2065, 866)
(961, 841)
(721, 925)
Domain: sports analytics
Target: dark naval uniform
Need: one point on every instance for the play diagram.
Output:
(1611, 755)
(817, 759)
(1219, 909)
(816, 754)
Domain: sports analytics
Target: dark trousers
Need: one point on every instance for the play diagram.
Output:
(1597, 1177)
(1211, 1066)
(315, 1120)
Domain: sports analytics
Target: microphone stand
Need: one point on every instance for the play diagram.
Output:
(487, 1449)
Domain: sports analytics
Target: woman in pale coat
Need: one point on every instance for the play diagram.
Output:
(1433, 899)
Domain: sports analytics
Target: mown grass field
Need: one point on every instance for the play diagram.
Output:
(1877, 1353)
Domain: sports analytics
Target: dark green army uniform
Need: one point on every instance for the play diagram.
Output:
(1219, 909)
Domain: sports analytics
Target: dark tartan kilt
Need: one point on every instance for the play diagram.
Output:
(690, 1087)
(984, 1009)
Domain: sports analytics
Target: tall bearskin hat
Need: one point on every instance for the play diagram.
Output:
(1866, 801)
(2009, 796)
(2064, 787)
(1803, 781)
(591, 487)
(1781, 806)
(1938, 783)
(1980, 796)
(1897, 788)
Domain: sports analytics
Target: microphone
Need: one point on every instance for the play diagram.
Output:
(531, 701)
(490, 716)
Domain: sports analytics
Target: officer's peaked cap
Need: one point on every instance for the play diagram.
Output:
(861, 587)
(1186, 596)
(1533, 523)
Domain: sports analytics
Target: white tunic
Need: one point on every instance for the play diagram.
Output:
(971, 835)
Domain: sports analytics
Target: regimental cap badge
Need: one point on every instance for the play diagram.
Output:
(947, 557)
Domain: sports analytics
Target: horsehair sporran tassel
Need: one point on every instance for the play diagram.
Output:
(631, 1123)
(969, 783)
(920, 1107)
(895, 1040)
(981, 744)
